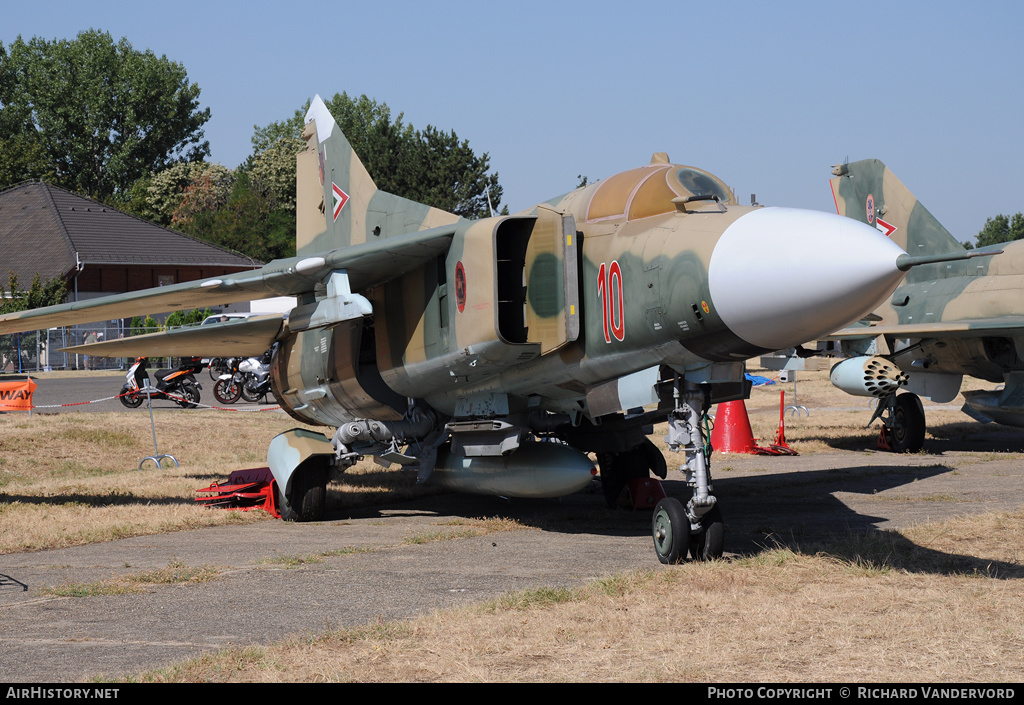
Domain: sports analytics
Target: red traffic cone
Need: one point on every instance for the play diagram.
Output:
(732, 433)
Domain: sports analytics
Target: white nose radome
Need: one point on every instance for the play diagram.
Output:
(780, 277)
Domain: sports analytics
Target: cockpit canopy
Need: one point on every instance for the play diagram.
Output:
(649, 190)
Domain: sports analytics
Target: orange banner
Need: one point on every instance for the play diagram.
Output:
(16, 396)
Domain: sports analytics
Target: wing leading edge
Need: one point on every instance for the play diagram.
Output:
(367, 265)
(249, 337)
(966, 328)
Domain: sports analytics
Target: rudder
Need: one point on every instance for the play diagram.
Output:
(337, 202)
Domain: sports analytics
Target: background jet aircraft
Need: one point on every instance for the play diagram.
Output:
(460, 347)
(944, 321)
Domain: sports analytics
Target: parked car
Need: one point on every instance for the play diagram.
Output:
(226, 317)
(218, 365)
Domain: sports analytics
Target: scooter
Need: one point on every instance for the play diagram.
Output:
(178, 385)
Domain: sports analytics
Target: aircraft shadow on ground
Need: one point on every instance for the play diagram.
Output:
(797, 511)
(975, 437)
(969, 436)
(801, 512)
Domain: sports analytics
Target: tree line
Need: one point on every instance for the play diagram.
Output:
(1000, 228)
(125, 127)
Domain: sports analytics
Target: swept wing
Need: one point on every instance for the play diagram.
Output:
(1004, 325)
(368, 264)
(249, 337)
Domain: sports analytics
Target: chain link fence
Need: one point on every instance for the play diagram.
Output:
(42, 350)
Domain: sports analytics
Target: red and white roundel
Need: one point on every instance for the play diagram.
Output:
(460, 286)
(869, 207)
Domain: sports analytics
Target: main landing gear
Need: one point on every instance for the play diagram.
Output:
(903, 423)
(619, 469)
(697, 528)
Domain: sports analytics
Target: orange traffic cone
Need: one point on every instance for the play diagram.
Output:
(732, 433)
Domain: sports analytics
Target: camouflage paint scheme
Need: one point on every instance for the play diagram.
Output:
(947, 319)
(431, 342)
(583, 320)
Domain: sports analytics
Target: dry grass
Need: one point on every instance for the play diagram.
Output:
(939, 602)
(71, 479)
(870, 609)
(132, 583)
(835, 420)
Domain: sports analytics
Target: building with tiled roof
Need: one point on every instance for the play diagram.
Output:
(99, 250)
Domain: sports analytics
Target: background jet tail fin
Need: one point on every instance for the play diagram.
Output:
(869, 192)
(337, 202)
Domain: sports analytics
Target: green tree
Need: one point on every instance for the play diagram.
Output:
(22, 157)
(249, 223)
(182, 189)
(1001, 228)
(447, 174)
(271, 172)
(176, 319)
(207, 191)
(250, 210)
(104, 114)
(143, 326)
(430, 166)
(14, 299)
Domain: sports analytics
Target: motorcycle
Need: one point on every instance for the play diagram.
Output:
(228, 388)
(178, 385)
(219, 366)
(256, 381)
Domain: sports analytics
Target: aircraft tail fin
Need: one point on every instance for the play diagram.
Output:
(337, 202)
(869, 192)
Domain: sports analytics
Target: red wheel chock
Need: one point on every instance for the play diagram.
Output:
(245, 489)
(642, 493)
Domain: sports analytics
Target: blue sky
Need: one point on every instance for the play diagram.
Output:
(765, 95)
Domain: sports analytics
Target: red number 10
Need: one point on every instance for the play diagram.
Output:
(609, 290)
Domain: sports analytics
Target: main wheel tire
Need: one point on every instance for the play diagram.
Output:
(189, 396)
(709, 543)
(227, 391)
(907, 432)
(671, 531)
(133, 400)
(308, 495)
(617, 469)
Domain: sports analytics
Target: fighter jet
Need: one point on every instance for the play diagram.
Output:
(494, 355)
(945, 320)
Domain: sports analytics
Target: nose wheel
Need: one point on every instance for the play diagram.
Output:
(671, 530)
(675, 537)
(709, 542)
(696, 529)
